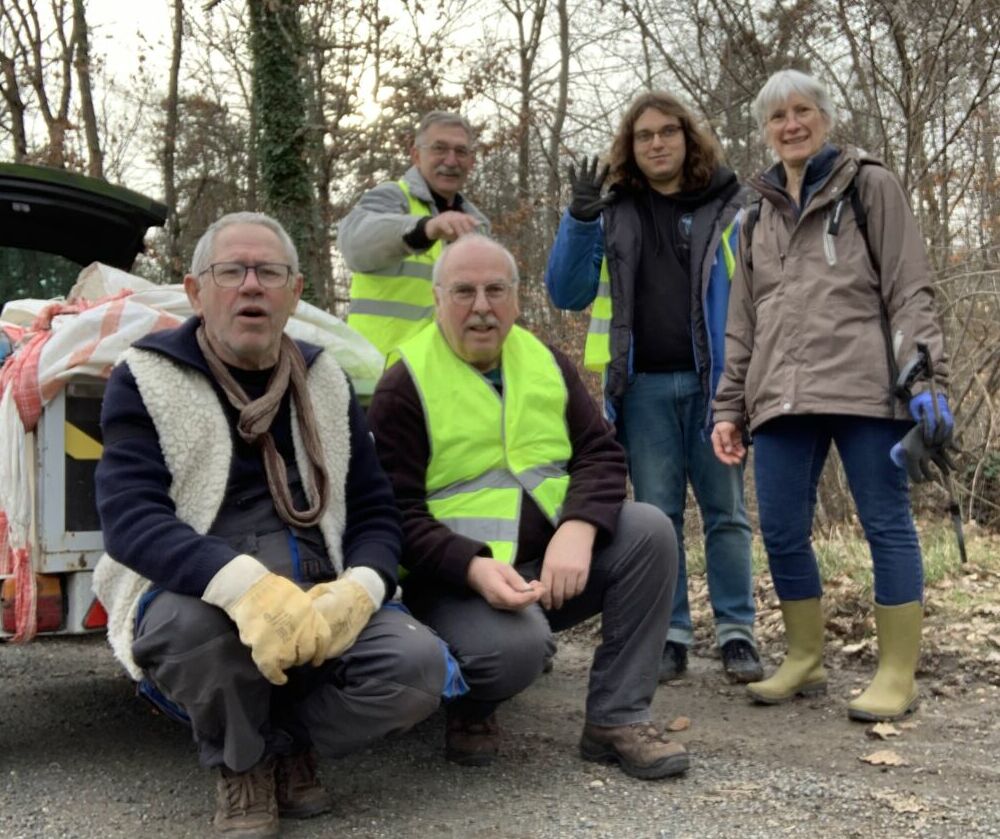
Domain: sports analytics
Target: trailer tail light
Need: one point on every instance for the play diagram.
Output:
(48, 604)
(96, 617)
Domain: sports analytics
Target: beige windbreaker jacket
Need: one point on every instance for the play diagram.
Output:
(813, 327)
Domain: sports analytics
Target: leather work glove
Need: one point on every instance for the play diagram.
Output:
(347, 605)
(937, 425)
(587, 202)
(275, 618)
(913, 454)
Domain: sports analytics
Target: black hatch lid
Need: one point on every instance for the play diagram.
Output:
(74, 216)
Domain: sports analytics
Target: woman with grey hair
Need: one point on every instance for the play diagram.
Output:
(831, 296)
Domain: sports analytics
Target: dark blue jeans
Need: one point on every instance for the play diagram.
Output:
(789, 453)
(664, 420)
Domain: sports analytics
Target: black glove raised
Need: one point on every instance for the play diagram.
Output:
(913, 454)
(587, 201)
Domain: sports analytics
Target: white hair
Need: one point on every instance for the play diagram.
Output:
(203, 251)
(783, 84)
(437, 273)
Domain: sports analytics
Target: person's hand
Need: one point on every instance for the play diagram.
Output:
(274, 617)
(936, 426)
(913, 454)
(587, 202)
(566, 565)
(450, 225)
(500, 585)
(727, 443)
(346, 606)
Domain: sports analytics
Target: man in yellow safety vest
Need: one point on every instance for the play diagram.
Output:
(512, 491)
(394, 234)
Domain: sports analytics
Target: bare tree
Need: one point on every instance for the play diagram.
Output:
(81, 63)
(175, 269)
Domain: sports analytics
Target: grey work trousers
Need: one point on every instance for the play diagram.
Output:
(386, 683)
(631, 585)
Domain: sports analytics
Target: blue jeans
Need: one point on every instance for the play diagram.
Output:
(789, 453)
(664, 416)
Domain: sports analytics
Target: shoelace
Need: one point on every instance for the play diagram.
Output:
(740, 652)
(650, 734)
(299, 771)
(246, 791)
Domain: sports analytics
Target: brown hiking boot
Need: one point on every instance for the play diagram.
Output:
(245, 806)
(300, 794)
(639, 749)
(472, 742)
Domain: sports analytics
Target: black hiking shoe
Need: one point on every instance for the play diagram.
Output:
(674, 662)
(741, 662)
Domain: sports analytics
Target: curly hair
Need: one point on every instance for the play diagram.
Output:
(702, 152)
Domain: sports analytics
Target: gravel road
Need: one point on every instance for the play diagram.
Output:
(81, 757)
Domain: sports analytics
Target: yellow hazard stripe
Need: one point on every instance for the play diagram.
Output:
(80, 445)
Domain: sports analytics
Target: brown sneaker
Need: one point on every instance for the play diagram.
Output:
(639, 749)
(245, 805)
(472, 742)
(300, 794)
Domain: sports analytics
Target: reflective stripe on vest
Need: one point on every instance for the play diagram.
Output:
(597, 349)
(390, 306)
(486, 450)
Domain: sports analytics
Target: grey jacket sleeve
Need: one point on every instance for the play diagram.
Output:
(371, 235)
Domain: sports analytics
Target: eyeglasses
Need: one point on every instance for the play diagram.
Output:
(441, 150)
(233, 274)
(463, 294)
(668, 132)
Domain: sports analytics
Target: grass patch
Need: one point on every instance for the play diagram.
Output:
(844, 552)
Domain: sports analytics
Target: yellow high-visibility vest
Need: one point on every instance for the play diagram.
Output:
(487, 448)
(389, 307)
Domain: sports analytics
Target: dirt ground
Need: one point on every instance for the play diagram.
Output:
(81, 757)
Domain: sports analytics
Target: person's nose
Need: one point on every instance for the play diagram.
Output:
(482, 302)
(246, 285)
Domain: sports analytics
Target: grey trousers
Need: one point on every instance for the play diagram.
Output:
(390, 680)
(631, 585)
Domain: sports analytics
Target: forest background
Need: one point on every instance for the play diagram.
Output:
(295, 107)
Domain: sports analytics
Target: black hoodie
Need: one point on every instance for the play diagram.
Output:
(662, 320)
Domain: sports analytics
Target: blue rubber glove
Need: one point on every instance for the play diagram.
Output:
(922, 411)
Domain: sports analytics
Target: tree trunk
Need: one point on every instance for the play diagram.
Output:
(95, 157)
(175, 269)
(279, 106)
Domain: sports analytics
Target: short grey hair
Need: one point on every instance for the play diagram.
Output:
(783, 84)
(444, 118)
(437, 273)
(203, 251)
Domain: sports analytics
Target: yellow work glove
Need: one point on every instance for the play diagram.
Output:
(275, 618)
(347, 604)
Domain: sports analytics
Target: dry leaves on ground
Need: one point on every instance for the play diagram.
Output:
(883, 731)
(884, 757)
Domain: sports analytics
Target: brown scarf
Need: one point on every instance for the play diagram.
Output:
(255, 422)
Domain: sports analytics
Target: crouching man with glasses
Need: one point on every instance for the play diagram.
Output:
(252, 540)
(393, 236)
(515, 524)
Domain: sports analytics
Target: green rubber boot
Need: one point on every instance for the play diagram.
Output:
(801, 673)
(893, 692)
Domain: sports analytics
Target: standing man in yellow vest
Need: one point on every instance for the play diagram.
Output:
(394, 234)
(512, 490)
